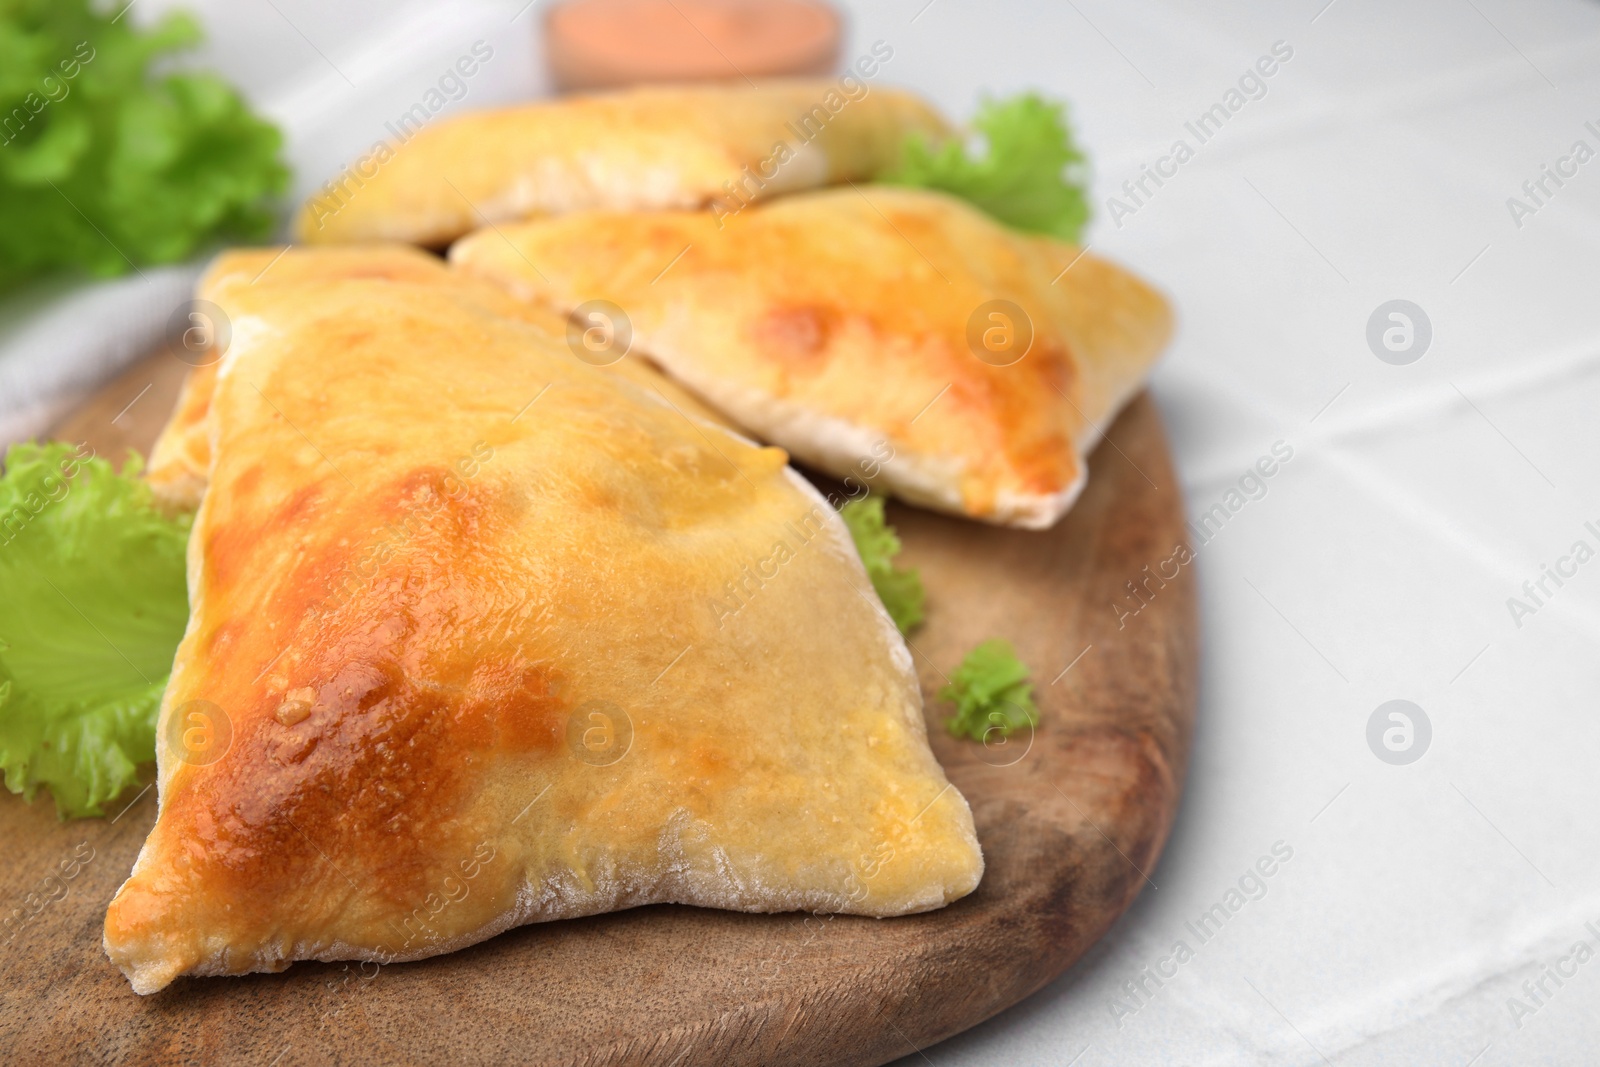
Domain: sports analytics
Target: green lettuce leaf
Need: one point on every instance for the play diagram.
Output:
(93, 602)
(900, 590)
(107, 157)
(991, 691)
(1030, 174)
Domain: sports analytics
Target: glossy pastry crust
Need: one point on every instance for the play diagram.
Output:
(181, 458)
(648, 148)
(845, 326)
(495, 638)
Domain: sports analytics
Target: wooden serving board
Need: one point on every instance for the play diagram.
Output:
(1071, 821)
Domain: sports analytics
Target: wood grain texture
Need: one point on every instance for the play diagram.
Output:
(1071, 822)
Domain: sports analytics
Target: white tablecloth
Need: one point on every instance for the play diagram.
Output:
(1377, 563)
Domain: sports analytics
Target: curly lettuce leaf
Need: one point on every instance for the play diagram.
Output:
(93, 601)
(991, 691)
(108, 159)
(1030, 174)
(900, 590)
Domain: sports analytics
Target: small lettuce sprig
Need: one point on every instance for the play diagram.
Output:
(1029, 174)
(93, 602)
(900, 590)
(991, 691)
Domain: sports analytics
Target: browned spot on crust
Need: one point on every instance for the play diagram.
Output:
(353, 786)
(1029, 432)
(512, 705)
(400, 717)
(797, 332)
(366, 783)
(233, 546)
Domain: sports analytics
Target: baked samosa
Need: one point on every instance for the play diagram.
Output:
(482, 635)
(181, 456)
(646, 148)
(896, 337)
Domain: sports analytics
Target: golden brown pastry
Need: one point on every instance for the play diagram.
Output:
(647, 148)
(482, 635)
(856, 328)
(181, 456)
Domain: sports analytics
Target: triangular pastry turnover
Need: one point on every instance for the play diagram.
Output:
(482, 635)
(646, 148)
(181, 458)
(885, 335)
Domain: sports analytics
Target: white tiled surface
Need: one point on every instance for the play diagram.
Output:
(1376, 167)
(1419, 498)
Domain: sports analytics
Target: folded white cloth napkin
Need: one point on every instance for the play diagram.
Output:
(62, 339)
